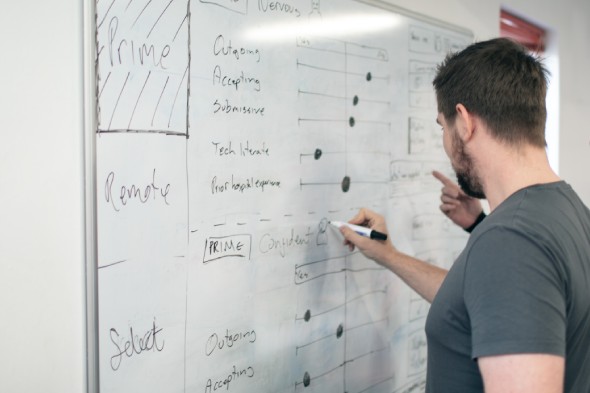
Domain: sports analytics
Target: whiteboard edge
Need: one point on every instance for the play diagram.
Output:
(416, 15)
(89, 152)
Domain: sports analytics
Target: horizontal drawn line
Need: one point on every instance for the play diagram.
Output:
(335, 71)
(297, 348)
(321, 94)
(322, 120)
(376, 384)
(383, 291)
(382, 123)
(335, 336)
(194, 231)
(351, 152)
(375, 101)
(348, 54)
(223, 257)
(124, 131)
(350, 361)
(326, 259)
(366, 324)
(361, 100)
(219, 225)
(343, 270)
(308, 184)
(321, 375)
(374, 351)
(112, 264)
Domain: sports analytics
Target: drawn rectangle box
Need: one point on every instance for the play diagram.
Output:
(423, 137)
(143, 67)
(234, 246)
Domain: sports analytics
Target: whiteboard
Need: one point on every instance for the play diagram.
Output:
(228, 134)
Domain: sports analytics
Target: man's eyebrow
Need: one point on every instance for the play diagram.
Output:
(438, 122)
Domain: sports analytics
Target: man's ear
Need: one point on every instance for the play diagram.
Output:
(465, 123)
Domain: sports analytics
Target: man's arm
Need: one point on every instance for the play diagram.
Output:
(421, 276)
(522, 373)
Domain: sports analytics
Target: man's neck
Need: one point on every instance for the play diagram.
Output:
(505, 170)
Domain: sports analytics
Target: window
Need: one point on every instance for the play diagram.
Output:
(531, 36)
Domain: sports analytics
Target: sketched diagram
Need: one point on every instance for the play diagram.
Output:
(343, 103)
(143, 63)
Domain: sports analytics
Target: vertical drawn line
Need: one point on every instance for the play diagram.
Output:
(185, 322)
(346, 128)
(159, 99)
(188, 82)
(104, 84)
(345, 321)
(176, 97)
(188, 206)
(159, 17)
(105, 15)
(141, 13)
(118, 98)
(138, 98)
(179, 27)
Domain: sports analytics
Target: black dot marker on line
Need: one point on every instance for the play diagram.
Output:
(346, 184)
(307, 316)
(339, 331)
(306, 379)
(317, 154)
(351, 121)
(369, 76)
(355, 100)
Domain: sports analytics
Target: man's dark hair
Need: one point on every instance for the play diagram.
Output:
(499, 81)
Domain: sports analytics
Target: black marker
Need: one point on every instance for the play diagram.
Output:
(366, 232)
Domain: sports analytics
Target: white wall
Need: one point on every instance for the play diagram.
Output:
(41, 221)
(41, 169)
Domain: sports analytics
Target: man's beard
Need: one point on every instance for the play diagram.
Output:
(468, 181)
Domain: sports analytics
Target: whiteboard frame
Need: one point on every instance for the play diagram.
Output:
(90, 205)
(90, 127)
(415, 15)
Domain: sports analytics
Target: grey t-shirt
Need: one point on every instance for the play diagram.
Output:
(522, 285)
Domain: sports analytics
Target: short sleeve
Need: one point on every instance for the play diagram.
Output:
(514, 295)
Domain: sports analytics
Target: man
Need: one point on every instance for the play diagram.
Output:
(513, 312)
